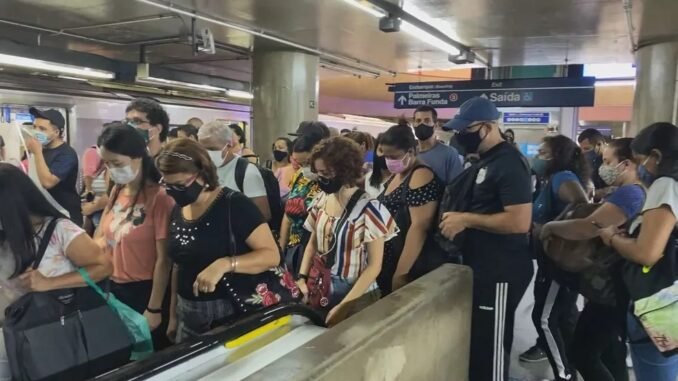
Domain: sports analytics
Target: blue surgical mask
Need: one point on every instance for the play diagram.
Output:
(539, 166)
(41, 137)
(144, 133)
(644, 175)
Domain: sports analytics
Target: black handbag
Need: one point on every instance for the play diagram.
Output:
(251, 292)
(66, 334)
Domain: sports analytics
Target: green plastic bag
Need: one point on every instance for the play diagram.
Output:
(659, 315)
(136, 323)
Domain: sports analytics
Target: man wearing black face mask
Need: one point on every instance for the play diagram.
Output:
(494, 226)
(592, 143)
(442, 159)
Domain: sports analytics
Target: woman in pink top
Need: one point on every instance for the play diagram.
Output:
(135, 222)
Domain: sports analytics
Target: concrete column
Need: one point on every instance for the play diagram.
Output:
(655, 97)
(285, 85)
(568, 122)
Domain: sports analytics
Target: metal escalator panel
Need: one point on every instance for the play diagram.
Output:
(244, 347)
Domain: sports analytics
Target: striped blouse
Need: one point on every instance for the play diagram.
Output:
(368, 221)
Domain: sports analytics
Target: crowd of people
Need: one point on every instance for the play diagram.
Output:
(193, 231)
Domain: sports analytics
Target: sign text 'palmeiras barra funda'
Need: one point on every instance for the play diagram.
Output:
(536, 92)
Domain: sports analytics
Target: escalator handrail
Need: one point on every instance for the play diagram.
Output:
(167, 358)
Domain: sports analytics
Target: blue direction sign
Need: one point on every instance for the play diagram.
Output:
(536, 92)
(526, 117)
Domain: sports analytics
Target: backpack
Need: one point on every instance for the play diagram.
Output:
(272, 190)
(458, 197)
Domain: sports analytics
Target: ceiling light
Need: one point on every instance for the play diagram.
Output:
(428, 38)
(239, 94)
(619, 82)
(367, 8)
(179, 84)
(53, 67)
(443, 26)
(349, 70)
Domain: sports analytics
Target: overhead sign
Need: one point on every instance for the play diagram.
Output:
(526, 117)
(537, 92)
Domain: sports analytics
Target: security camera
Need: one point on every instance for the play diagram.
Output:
(464, 57)
(205, 42)
(389, 24)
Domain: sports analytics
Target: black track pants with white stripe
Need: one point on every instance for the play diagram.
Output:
(494, 306)
(555, 315)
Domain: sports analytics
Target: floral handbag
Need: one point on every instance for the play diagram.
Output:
(249, 293)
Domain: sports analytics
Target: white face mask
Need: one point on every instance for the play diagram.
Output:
(122, 175)
(217, 157)
(306, 171)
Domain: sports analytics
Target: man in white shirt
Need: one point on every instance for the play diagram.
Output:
(219, 141)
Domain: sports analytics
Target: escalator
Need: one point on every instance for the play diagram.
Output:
(231, 352)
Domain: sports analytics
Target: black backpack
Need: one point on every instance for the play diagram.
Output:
(272, 190)
(458, 197)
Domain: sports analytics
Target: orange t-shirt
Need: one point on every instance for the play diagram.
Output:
(131, 233)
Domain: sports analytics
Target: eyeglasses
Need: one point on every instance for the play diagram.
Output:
(178, 187)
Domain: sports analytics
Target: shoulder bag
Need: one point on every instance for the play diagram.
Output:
(320, 274)
(66, 334)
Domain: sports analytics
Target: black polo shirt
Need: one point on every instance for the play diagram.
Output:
(503, 180)
(62, 162)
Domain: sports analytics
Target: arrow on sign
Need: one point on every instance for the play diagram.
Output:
(402, 99)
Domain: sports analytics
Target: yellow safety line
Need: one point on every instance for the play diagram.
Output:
(264, 329)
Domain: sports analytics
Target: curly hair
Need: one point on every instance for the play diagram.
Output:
(567, 156)
(342, 156)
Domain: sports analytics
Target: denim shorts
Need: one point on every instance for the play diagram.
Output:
(196, 317)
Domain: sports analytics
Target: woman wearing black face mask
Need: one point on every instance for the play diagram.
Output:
(377, 177)
(348, 230)
(282, 166)
(226, 259)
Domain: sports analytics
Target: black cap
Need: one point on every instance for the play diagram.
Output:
(312, 128)
(52, 115)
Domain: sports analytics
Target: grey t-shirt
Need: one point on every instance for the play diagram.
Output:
(444, 161)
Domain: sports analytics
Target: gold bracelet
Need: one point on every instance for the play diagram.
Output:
(234, 263)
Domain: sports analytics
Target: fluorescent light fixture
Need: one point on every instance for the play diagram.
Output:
(367, 8)
(610, 71)
(428, 38)
(619, 82)
(179, 84)
(53, 67)
(349, 70)
(239, 94)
